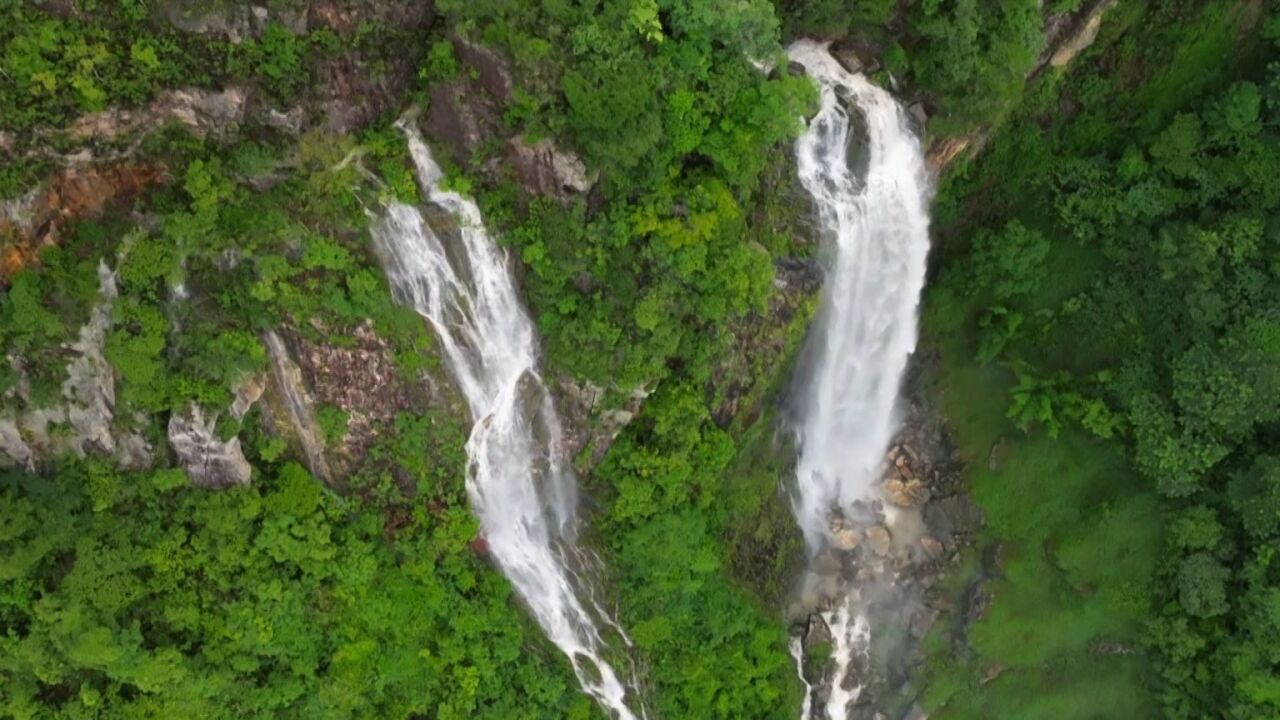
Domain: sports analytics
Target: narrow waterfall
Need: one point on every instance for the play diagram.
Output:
(875, 223)
(519, 484)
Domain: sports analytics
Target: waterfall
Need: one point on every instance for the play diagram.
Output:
(519, 485)
(875, 223)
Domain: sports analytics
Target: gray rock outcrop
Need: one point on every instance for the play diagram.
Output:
(545, 169)
(209, 461)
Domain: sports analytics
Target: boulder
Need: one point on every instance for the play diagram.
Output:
(208, 461)
(933, 549)
(879, 540)
(845, 538)
(908, 493)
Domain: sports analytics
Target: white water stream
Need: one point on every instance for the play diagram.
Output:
(518, 482)
(876, 225)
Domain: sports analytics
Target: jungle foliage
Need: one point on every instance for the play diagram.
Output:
(1113, 268)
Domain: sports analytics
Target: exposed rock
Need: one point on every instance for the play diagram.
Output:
(916, 713)
(292, 121)
(360, 377)
(37, 219)
(208, 461)
(345, 16)
(816, 632)
(1080, 36)
(908, 493)
(846, 538)
(352, 90)
(247, 392)
(954, 516)
(13, 448)
(978, 601)
(460, 120)
(545, 169)
(589, 423)
(944, 151)
(858, 54)
(83, 417)
(933, 549)
(203, 112)
(495, 77)
(297, 404)
(797, 275)
(879, 540)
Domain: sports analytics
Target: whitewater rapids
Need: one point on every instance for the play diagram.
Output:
(875, 227)
(518, 482)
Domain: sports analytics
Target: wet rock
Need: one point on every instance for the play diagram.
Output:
(919, 117)
(827, 563)
(797, 275)
(545, 169)
(978, 601)
(208, 461)
(909, 493)
(296, 402)
(460, 120)
(816, 632)
(922, 620)
(879, 541)
(846, 538)
(933, 549)
(858, 55)
(231, 21)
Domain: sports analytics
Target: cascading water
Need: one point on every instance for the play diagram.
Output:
(876, 225)
(519, 486)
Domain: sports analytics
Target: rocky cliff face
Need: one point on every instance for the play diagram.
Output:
(81, 421)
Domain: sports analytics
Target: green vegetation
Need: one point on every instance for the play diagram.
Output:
(967, 59)
(1105, 309)
(1113, 278)
(135, 595)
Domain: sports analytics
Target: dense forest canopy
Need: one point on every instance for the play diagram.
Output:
(1101, 333)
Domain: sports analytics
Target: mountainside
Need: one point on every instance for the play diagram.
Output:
(234, 463)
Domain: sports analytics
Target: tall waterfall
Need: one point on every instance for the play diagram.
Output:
(876, 224)
(518, 482)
